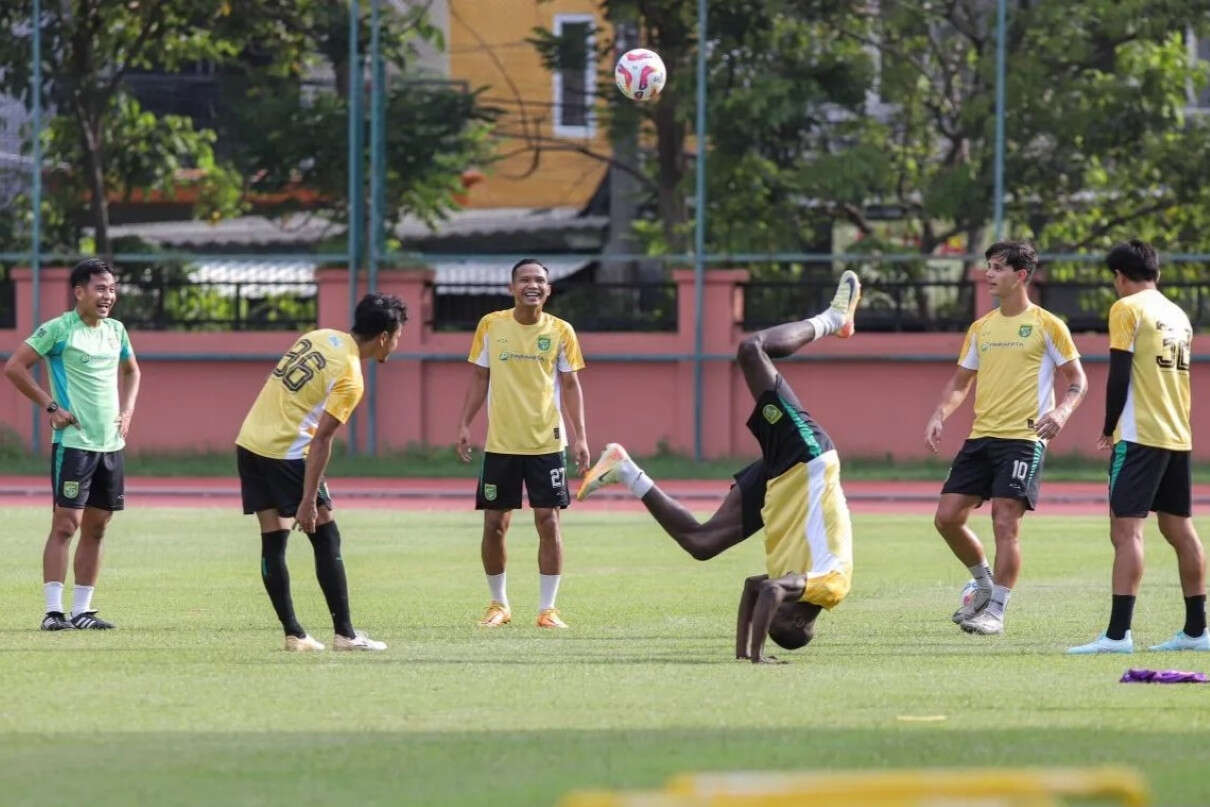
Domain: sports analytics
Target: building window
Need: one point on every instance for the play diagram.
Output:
(575, 76)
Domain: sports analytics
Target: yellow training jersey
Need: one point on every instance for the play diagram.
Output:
(320, 373)
(807, 529)
(524, 407)
(1015, 358)
(1158, 333)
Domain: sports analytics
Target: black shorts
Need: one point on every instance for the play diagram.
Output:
(785, 430)
(1144, 478)
(80, 478)
(996, 468)
(272, 484)
(751, 482)
(545, 477)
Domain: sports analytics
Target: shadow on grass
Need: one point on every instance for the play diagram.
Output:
(466, 767)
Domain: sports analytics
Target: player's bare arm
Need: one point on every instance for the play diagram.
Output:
(747, 604)
(771, 594)
(476, 394)
(131, 375)
(1076, 384)
(952, 395)
(318, 454)
(17, 370)
(573, 396)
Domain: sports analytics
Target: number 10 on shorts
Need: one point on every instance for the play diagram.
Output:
(1020, 470)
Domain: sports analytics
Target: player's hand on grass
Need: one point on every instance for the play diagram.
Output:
(762, 659)
(464, 443)
(306, 516)
(1105, 442)
(123, 421)
(932, 434)
(61, 419)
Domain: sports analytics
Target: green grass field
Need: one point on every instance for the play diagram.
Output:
(191, 701)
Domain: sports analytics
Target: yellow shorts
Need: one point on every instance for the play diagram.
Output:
(808, 530)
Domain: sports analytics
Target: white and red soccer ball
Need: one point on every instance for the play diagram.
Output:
(640, 74)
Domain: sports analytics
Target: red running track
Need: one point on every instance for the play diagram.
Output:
(1071, 498)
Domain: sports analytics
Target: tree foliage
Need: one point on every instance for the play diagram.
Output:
(821, 112)
(272, 132)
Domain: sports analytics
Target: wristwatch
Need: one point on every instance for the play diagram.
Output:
(52, 407)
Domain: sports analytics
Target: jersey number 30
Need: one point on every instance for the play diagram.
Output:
(1174, 353)
(299, 365)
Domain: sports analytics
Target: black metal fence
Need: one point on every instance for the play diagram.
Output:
(173, 298)
(885, 306)
(1085, 305)
(587, 306)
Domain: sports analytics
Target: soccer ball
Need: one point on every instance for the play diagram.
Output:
(968, 593)
(640, 74)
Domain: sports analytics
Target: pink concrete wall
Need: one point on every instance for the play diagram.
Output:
(872, 393)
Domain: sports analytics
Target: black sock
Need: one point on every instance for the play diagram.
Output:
(276, 577)
(1119, 616)
(330, 570)
(1195, 615)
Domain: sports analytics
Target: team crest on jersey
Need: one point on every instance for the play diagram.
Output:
(771, 413)
(1025, 330)
(543, 343)
(489, 492)
(71, 489)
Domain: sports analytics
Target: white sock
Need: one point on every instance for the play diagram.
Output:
(81, 599)
(633, 477)
(827, 322)
(548, 586)
(53, 592)
(982, 575)
(999, 601)
(495, 584)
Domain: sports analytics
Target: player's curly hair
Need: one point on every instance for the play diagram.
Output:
(378, 312)
(794, 624)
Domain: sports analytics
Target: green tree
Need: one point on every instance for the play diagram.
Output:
(102, 144)
(821, 111)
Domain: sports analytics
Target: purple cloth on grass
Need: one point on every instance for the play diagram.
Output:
(1135, 676)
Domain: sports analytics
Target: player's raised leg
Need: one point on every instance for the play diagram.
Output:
(702, 540)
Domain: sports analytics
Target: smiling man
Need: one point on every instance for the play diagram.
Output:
(529, 361)
(1014, 351)
(86, 351)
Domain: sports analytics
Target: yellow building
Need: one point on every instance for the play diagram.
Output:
(549, 121)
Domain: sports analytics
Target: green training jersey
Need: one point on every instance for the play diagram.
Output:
(83, 365)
